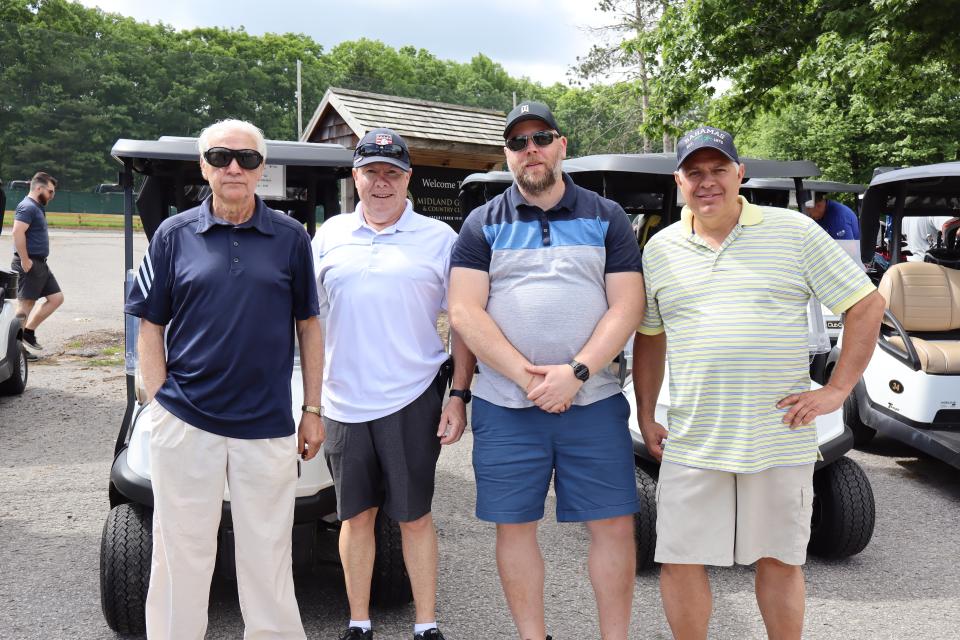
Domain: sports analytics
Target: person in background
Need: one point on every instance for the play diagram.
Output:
(838, 220)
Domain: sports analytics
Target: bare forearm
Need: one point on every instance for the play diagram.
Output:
(20, 242)
(152, 357)
(310, 335)
(610, 335)
(625, 300)
(464, 363)
(483, 337)
(861, 326)
(649, 356)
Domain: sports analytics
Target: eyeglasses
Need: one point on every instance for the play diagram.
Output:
(382, 150)
(221, 157)
(540, 138)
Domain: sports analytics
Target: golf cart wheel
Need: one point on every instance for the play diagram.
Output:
(862, 434)
(843, 510)
(17, 382)
(391, 584)
(645, 520)
(125, 550)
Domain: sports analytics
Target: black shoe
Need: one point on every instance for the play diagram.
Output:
(30, 342)
(429, 634)
(356, 633)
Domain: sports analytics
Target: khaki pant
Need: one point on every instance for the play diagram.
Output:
(189, 469)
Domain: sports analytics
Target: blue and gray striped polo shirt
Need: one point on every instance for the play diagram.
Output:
(547, 286)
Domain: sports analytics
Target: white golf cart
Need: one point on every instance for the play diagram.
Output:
(643, 184)
(910, 391)
(13, 357)
(301, 177)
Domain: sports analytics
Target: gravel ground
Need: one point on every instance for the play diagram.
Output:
(56, 444)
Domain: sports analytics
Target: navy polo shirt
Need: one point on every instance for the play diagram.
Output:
(547, 272)
(38, 240)
(228, 296)
(840, 221)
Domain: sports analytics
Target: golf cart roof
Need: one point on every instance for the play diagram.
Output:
(663, 164)
(818, 186)
(928, 190)
(309, 154)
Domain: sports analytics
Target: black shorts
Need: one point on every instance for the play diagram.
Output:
(389, 462)
(38, 283)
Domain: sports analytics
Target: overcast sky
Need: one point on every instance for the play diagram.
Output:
(539, 39)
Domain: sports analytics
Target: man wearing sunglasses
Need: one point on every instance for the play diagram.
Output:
(545, 289)
(220, 294)
(31, 247)
(382, 274)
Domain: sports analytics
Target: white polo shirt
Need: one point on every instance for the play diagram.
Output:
(380, 294)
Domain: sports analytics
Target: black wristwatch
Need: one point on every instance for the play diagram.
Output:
(580, 370)
(463, 394)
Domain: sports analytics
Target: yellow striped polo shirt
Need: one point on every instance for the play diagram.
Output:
(736, 324)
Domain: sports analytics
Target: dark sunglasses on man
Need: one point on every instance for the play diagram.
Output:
(540, 138)
(219, 157)
(379, 150)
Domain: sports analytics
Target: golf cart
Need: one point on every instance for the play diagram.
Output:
(644, 185)
(781, 192)
(13, 357)
(910, 391)
(299, 178)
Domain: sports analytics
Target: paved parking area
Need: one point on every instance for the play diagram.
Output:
(56, 444)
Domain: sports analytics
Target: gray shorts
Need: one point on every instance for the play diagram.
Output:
(37, 283)
(389, 462)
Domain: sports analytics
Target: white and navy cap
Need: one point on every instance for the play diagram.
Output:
(382, 145)
(706, 138)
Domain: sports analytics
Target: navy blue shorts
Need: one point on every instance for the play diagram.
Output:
(588, 451)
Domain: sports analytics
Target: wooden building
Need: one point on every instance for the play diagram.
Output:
(447, 142)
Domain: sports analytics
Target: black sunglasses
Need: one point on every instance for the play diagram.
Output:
(221, 157)
(381, 150)
(540, 138)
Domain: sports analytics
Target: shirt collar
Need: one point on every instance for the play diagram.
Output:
(750, 214)
(406, 222)
(260, 220)
(567, 202)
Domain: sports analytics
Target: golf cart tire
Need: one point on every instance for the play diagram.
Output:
(843, 510)
(645, 520)
(391, 584)
(862, 434)
(125, 551)
(17, 382)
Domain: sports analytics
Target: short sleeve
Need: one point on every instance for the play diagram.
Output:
(623, 251)
(323, 301)
(832, 275)
(652, 323)
(150, 295)
(304, 284)
(472, 250)
(25, 213)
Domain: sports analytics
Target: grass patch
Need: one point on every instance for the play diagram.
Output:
(74, 344)
(105, 362)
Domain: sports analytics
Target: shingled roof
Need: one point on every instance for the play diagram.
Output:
(438, 134)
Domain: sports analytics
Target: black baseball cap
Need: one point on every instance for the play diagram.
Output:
(529, 111)
(382, 145)
(706, 138)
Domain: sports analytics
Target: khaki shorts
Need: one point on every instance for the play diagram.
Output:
(718, 517)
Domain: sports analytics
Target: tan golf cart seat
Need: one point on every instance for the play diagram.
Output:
(925, 298)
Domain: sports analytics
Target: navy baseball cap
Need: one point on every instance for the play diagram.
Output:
(382, 145)
(529, 111)
(706, 138)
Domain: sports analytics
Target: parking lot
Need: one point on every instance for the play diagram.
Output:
(56, 444)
